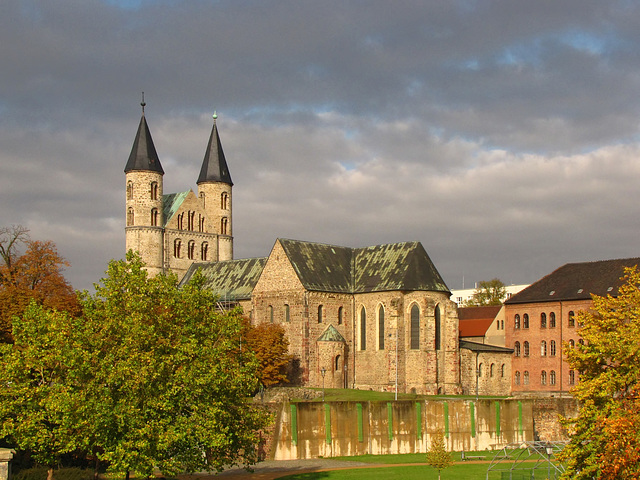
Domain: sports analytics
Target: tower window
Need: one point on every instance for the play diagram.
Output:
(191, 247)
(130, 216)
(154, 190)
(415, 327)
(381, 328)
(224, 201)
(177, 243)
(154, 217)
(204, 251)
(129, 190)
(223, 226)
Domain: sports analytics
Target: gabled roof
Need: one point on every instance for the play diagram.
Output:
(576, 281)
(143, 154)
(331, 334)
(171, 204)
(232, 280)
(214, 166)
(475, 321)
(483, 347)
(330, 268)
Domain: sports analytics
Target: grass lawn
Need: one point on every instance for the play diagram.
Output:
(412, 472)
(352, 395)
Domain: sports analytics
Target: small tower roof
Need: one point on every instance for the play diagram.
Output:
(214, 166)
(143, 154)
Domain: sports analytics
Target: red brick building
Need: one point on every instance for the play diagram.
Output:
(540, 322)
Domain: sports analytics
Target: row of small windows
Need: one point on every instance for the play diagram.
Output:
(224, 200)
(191, 250)
(287, 314)
(491, 372)
(545, 378)
(543, 320)
(543, 348)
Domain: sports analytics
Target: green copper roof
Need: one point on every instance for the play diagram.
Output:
(232, 280)
(331, 335)
(171, 203)
(397, 266)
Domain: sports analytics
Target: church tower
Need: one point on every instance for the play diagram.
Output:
(143, 173)
(214, 192)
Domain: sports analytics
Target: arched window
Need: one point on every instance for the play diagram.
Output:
(516, 349)
(203, 199)
(381, 327)
(552, 320)
(543, 320)
(204, 251)
(177, 243)
(517, 378)
(581, 342)
(154, 190)
(543, 377)
(337, 363)
(525, 320)
(180, 220)
(415, 327)
(287, 313)
(491, 370)
(572, 377)
(154, 217)
(572, 343)
(543, 348)
(191, 218)
(480, 370)
(572, 319)
(223, 226)
(516, 322)
(224, 201)
(525, 378)
(340, 315)
(320, 313)
(191, 248)
(552, 377)
(363, 329)
(129, 190)
(525, 349)
(270, 313)
(438, 335)
(130, 216)
(552, 348)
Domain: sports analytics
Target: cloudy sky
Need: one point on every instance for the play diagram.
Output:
(502, 135)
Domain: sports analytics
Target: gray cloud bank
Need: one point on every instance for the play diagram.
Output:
(503, 135)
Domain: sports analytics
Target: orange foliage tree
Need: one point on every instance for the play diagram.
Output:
(269, 344)
(34, 274)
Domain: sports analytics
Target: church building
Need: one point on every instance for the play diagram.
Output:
(377, 317)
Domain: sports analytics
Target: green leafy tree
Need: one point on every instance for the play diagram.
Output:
(605, 440)
(437, 456)
(150, 376)
(488, 292)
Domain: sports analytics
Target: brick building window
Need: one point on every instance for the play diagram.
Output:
(516, 349)
(572, 319)
(381, 327)
(363, 329)
(572, 377)
(129, 190)
(336, 366)
(525, 320)
(415, 327)
(180, 220)
(480, 370)
(491, 370)
(552, 348)
(320, 311)
(204, 251)
(516, 321)
(223, 226)
(572, 343)
(543, 377)
(525, 378)
(287, 313)
(543, 348)
(525, 349)
(517, 378)
(552, 320)
(340, 315)
(270, 313)
(552, 377)
(177, 244)
(224, 201)
(191, 248)
(502, 371)
(438, 334)
(154, 190)
(154, 217)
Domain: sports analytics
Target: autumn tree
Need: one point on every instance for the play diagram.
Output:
(150, 376)
(605, 443)
(32, 274)
(487, 292)
(437, 456)
(269, 344)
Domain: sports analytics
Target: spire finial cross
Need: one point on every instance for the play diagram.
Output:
(142, 103)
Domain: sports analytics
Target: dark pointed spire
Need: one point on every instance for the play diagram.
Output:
(214, 166)
(143, 154)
